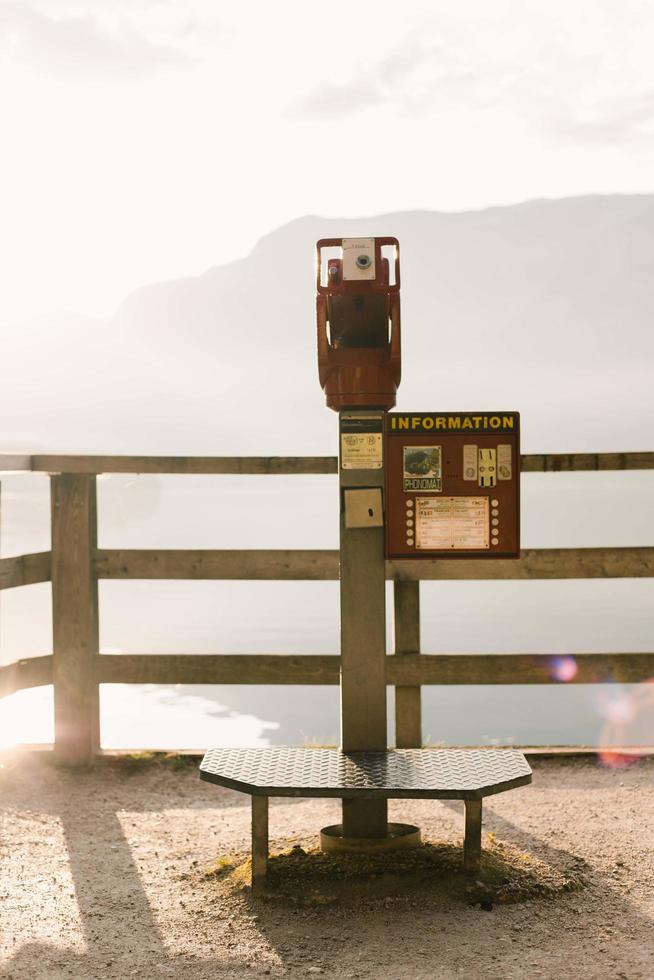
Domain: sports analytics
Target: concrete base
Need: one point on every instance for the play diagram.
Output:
(400, 835)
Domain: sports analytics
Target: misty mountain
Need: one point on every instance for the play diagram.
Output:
(545, 307)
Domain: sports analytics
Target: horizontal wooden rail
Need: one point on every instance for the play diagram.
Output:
(520, 668)
(31, 672)
(198, 465)
(208, 564)
(535, 563)
(408, 669)
(289, 465)
(25, 570)
(542, 563)
(301, 669)
(573, 462)
(191, 668)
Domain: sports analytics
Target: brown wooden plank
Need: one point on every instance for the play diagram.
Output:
(408, 711)
(291, 465)
(566, 462)
(15, 462)
(188, 668)
(23, 674)
(24, 570)
(523, 668)
(74, 618)
(206, 564)
(57, 463)
(535, 563)
(543, 563)
(409, 670)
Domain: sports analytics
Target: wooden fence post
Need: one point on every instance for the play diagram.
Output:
(75, 642)
(408, 712)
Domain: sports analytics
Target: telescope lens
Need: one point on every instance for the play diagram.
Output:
(363, 261)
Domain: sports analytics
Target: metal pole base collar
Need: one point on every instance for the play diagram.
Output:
(399, 836)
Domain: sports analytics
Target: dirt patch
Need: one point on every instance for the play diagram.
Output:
(310, 877)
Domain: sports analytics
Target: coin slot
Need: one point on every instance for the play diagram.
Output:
(487, 468)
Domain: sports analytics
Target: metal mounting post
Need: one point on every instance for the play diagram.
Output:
(363, 604)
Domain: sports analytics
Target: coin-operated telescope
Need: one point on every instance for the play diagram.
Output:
(358, 310)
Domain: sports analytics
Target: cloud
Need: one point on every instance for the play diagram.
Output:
(73, 46)
(611, 122)
(337, 99)
(416, 76)
(567, 89)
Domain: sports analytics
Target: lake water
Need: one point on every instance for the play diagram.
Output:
(560, 618)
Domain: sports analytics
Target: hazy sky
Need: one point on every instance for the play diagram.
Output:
(148, 139)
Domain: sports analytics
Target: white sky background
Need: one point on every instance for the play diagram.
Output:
(148, 140)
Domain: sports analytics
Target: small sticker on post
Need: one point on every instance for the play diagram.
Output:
(361, 450)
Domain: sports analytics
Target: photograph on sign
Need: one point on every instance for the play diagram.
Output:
(422, 468)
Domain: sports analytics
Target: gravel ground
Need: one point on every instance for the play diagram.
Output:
(104, 875)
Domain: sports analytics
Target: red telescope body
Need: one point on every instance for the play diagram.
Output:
(358, 312)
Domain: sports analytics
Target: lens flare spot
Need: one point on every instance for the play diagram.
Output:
(614, 759)
(563, 668)
(628, 732)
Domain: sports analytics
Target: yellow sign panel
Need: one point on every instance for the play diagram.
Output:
(454, 423)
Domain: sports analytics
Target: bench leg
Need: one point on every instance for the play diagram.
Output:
(259, 841)
(472, 838)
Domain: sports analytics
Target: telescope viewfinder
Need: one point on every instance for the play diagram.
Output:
(358, 313)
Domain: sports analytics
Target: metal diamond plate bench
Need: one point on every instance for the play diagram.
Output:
(433, 774)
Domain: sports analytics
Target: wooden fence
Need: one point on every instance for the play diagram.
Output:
(75, 564)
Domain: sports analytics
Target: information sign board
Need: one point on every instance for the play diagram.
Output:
(452, 485)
